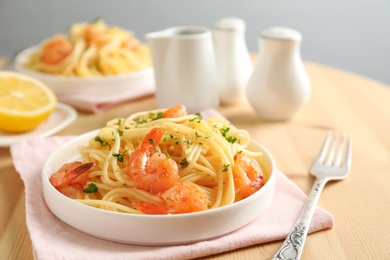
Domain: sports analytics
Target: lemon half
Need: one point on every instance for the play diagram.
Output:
(25, 102)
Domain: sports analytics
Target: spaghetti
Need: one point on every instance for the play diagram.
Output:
(91, 49)
(204, 151)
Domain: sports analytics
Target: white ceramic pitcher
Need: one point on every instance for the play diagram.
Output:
(184, 67)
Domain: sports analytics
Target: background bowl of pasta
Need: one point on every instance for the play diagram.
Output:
(143, 229)
(91, 58)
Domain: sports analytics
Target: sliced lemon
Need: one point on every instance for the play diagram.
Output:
(25, 102)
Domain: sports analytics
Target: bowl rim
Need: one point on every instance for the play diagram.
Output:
(21, 58)
(86, 136)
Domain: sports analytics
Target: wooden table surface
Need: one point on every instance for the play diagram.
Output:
(360, 204)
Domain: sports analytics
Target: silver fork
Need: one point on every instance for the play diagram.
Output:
(326, 167)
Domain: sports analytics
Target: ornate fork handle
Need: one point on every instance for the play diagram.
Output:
(293, 245)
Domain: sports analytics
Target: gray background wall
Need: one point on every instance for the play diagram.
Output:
(353, 35)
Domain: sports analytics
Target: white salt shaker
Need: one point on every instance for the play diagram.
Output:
(234, 65)
(279, 85)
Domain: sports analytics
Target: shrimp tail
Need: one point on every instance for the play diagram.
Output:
(69, 174)
(151, 140)
(151, 208)
(76, 172)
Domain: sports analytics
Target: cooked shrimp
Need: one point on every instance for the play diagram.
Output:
(180, 198)
(152, 172)
(95, 35)
(71, 178)
(248, 176)
(56, 49)
(175, 111)
(131, 44)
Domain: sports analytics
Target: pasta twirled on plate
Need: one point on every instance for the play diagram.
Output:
(163, 162)
(91, 49)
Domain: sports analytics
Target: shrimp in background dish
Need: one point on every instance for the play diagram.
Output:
(131, 44)
(152, 172)
(248, 176)
(180, 198)
(90, 49)
(94, 34)
(56, 49)
(71, 178)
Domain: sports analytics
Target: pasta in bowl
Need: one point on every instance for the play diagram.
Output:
(160, 178)
(88, 58)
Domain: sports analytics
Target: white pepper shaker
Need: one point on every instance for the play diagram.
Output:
(279, 85)
(234, 65)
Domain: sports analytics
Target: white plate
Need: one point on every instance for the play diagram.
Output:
(153, 229)
(62, 116)
(63, 85)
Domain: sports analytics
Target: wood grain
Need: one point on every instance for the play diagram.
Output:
(360, 204)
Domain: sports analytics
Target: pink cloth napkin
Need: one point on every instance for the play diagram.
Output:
(53, 239)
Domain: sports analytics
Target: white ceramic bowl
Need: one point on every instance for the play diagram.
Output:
(94, 85)
(154, 229)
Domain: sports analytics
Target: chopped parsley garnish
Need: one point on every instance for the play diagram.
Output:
(151, 141)
(174, 138)
(151, 117)
(119, 122)
(142, 120)
(230, 139)
(189, 142)
(119, 156)
(225, 167)
(101, 141)
(198, 117)
(91, 188)
(120, 132)
(224, 131)
(154, 116)
(183, 162)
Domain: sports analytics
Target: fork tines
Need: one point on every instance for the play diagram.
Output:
(340, 144)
